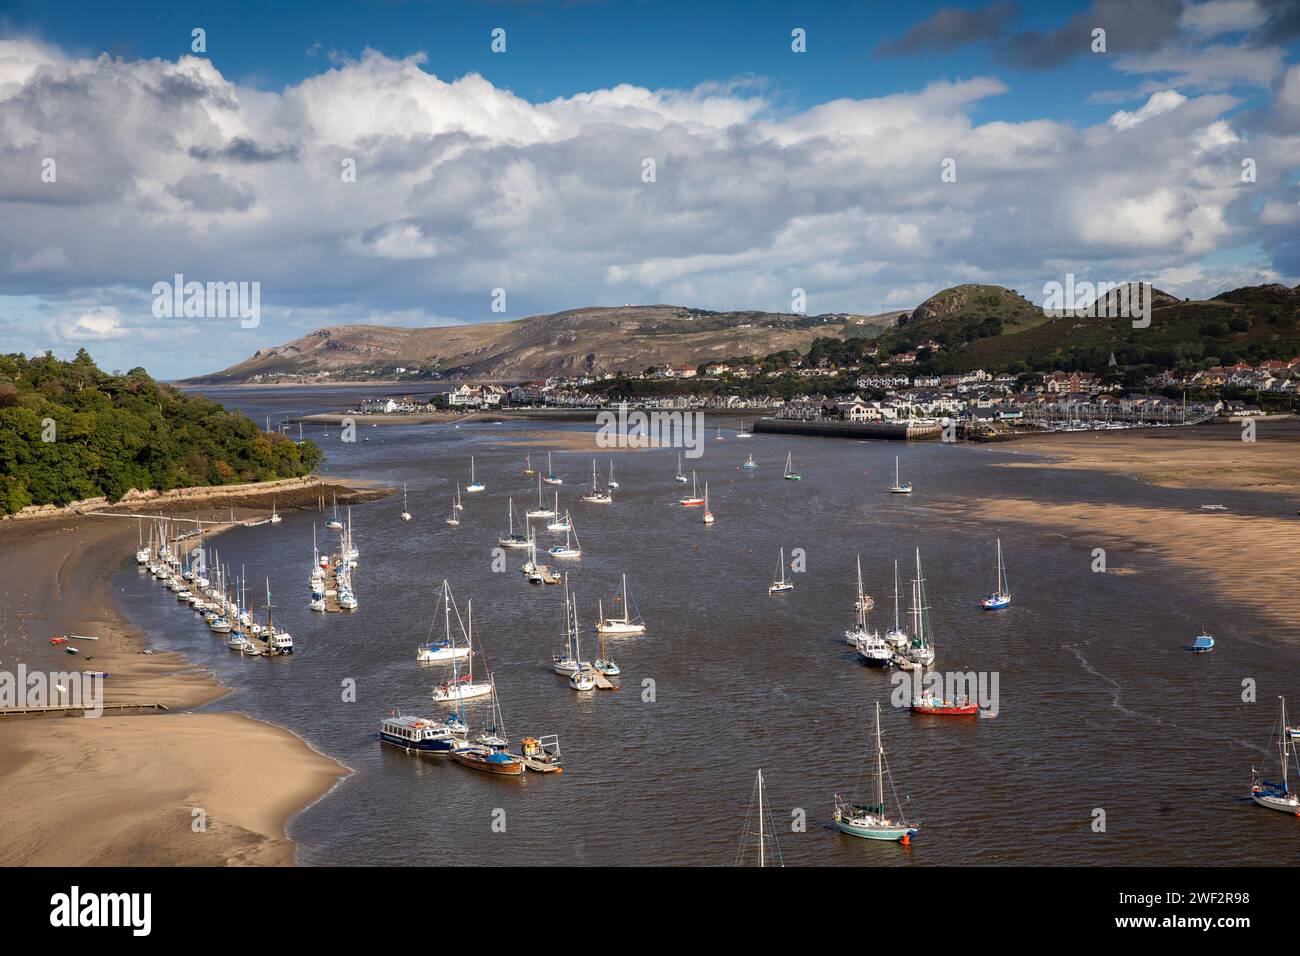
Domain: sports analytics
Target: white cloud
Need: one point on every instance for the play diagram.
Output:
(1161, 102)
(1216, 17)
(97, 325)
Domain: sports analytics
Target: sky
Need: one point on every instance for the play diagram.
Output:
(380, 162)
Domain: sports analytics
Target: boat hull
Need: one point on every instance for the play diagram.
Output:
(490, 762)
(1288, 804)
(443, 745)
(890, 834)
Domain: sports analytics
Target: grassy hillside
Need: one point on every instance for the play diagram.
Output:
(112, 433)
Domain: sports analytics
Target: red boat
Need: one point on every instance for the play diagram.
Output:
(58, 640)
(944, 708)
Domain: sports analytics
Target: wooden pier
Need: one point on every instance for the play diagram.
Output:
(73, 708)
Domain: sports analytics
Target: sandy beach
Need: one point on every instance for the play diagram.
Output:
(1242, 557)
(121, 788)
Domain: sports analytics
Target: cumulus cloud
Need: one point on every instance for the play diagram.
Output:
(462, 187)
(97, 325)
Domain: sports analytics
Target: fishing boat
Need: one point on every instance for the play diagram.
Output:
(708, 515)
(627, 624)
(873, 651)
(766, 831)
(542, 753)
(1277, 796)
(474, 485)
(571, 548)
(749, 463)
(541, 511)
(896, 637)
(568, 661)
(444, 650)
(423, 734)
(604, 663)
(1001, 596)
(406, 515)
(551, 478)
(458, 688)
(596, 495)
(790, 473)
(782, 583)
(1202, 644)
(898, 488)
(679, 476)
(453, 518)
(512, 538)
(919, 652)
(489, 752)
(611, 483)
(334, 524)
(564, 523)
(870, 821)
(693, 499)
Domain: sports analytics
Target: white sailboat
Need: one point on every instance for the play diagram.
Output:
(474, 484)
(708, 514)
(334, 524)
(551, 478)
(611, 483)
(445, 650)
(453, 518)
(571, 548)
(596, 495)
(898, 488)
(790, 473)
(1001, 596)
(583, 677)
(679, 476)
(541, 511)
(275, 515)
(919, 652)
(406, 515)
(458, 506)
(766, 831)
(462, 688)
(627, 624)
(1277, 796)
(896, 637)
(864, 601)
(782, 583)
(568, 661)
(741, 433)
(561, 523)
(512, 538)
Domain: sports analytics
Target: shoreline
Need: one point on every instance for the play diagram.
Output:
(123, 789)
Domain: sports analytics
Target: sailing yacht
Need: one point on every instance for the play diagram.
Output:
(790, 473)
(919, 652)
(766, 831)
(627, 624)
(275, 515)
(541, 511)
(583, 675)
(551, 478)
(896, 637)
(864, 601)
(870, 821)
(453, 518)
(749, 463)
(528, 465)
(693, 499)
(462, 688)
(334, 524)
(445, 650)
(571, 548)
(459, 506)
(1001, 597)
(1277, 796)
(596, 495)
(560, 523)
(898, 488)
(512, 538)
(708, 515)
(604, 663)
(679, 476)
(474, 485)
(567, 661)
(277, 642)
(782, 583)
(406, 515)
(611, 483)
(741, 433)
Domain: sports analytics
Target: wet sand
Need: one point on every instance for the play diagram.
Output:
(120, 789)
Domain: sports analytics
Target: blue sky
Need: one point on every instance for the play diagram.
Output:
(522, 170)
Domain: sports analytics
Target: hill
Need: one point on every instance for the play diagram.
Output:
(69, 431)
(625, 338)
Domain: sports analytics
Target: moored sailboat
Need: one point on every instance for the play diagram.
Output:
(693, 499)
(898, 488)
(1001, 596)
(1277, 796)
(790, 473)
(474, 484)
(782, 583)
(870, 821)
(627, 624)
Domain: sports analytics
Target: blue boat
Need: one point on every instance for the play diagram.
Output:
(1202, 645)
(1001, 596)
(423, 734)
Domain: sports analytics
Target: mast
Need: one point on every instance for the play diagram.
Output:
(627, 611)
(880, 765)
(762, 859)
(1285, 749)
